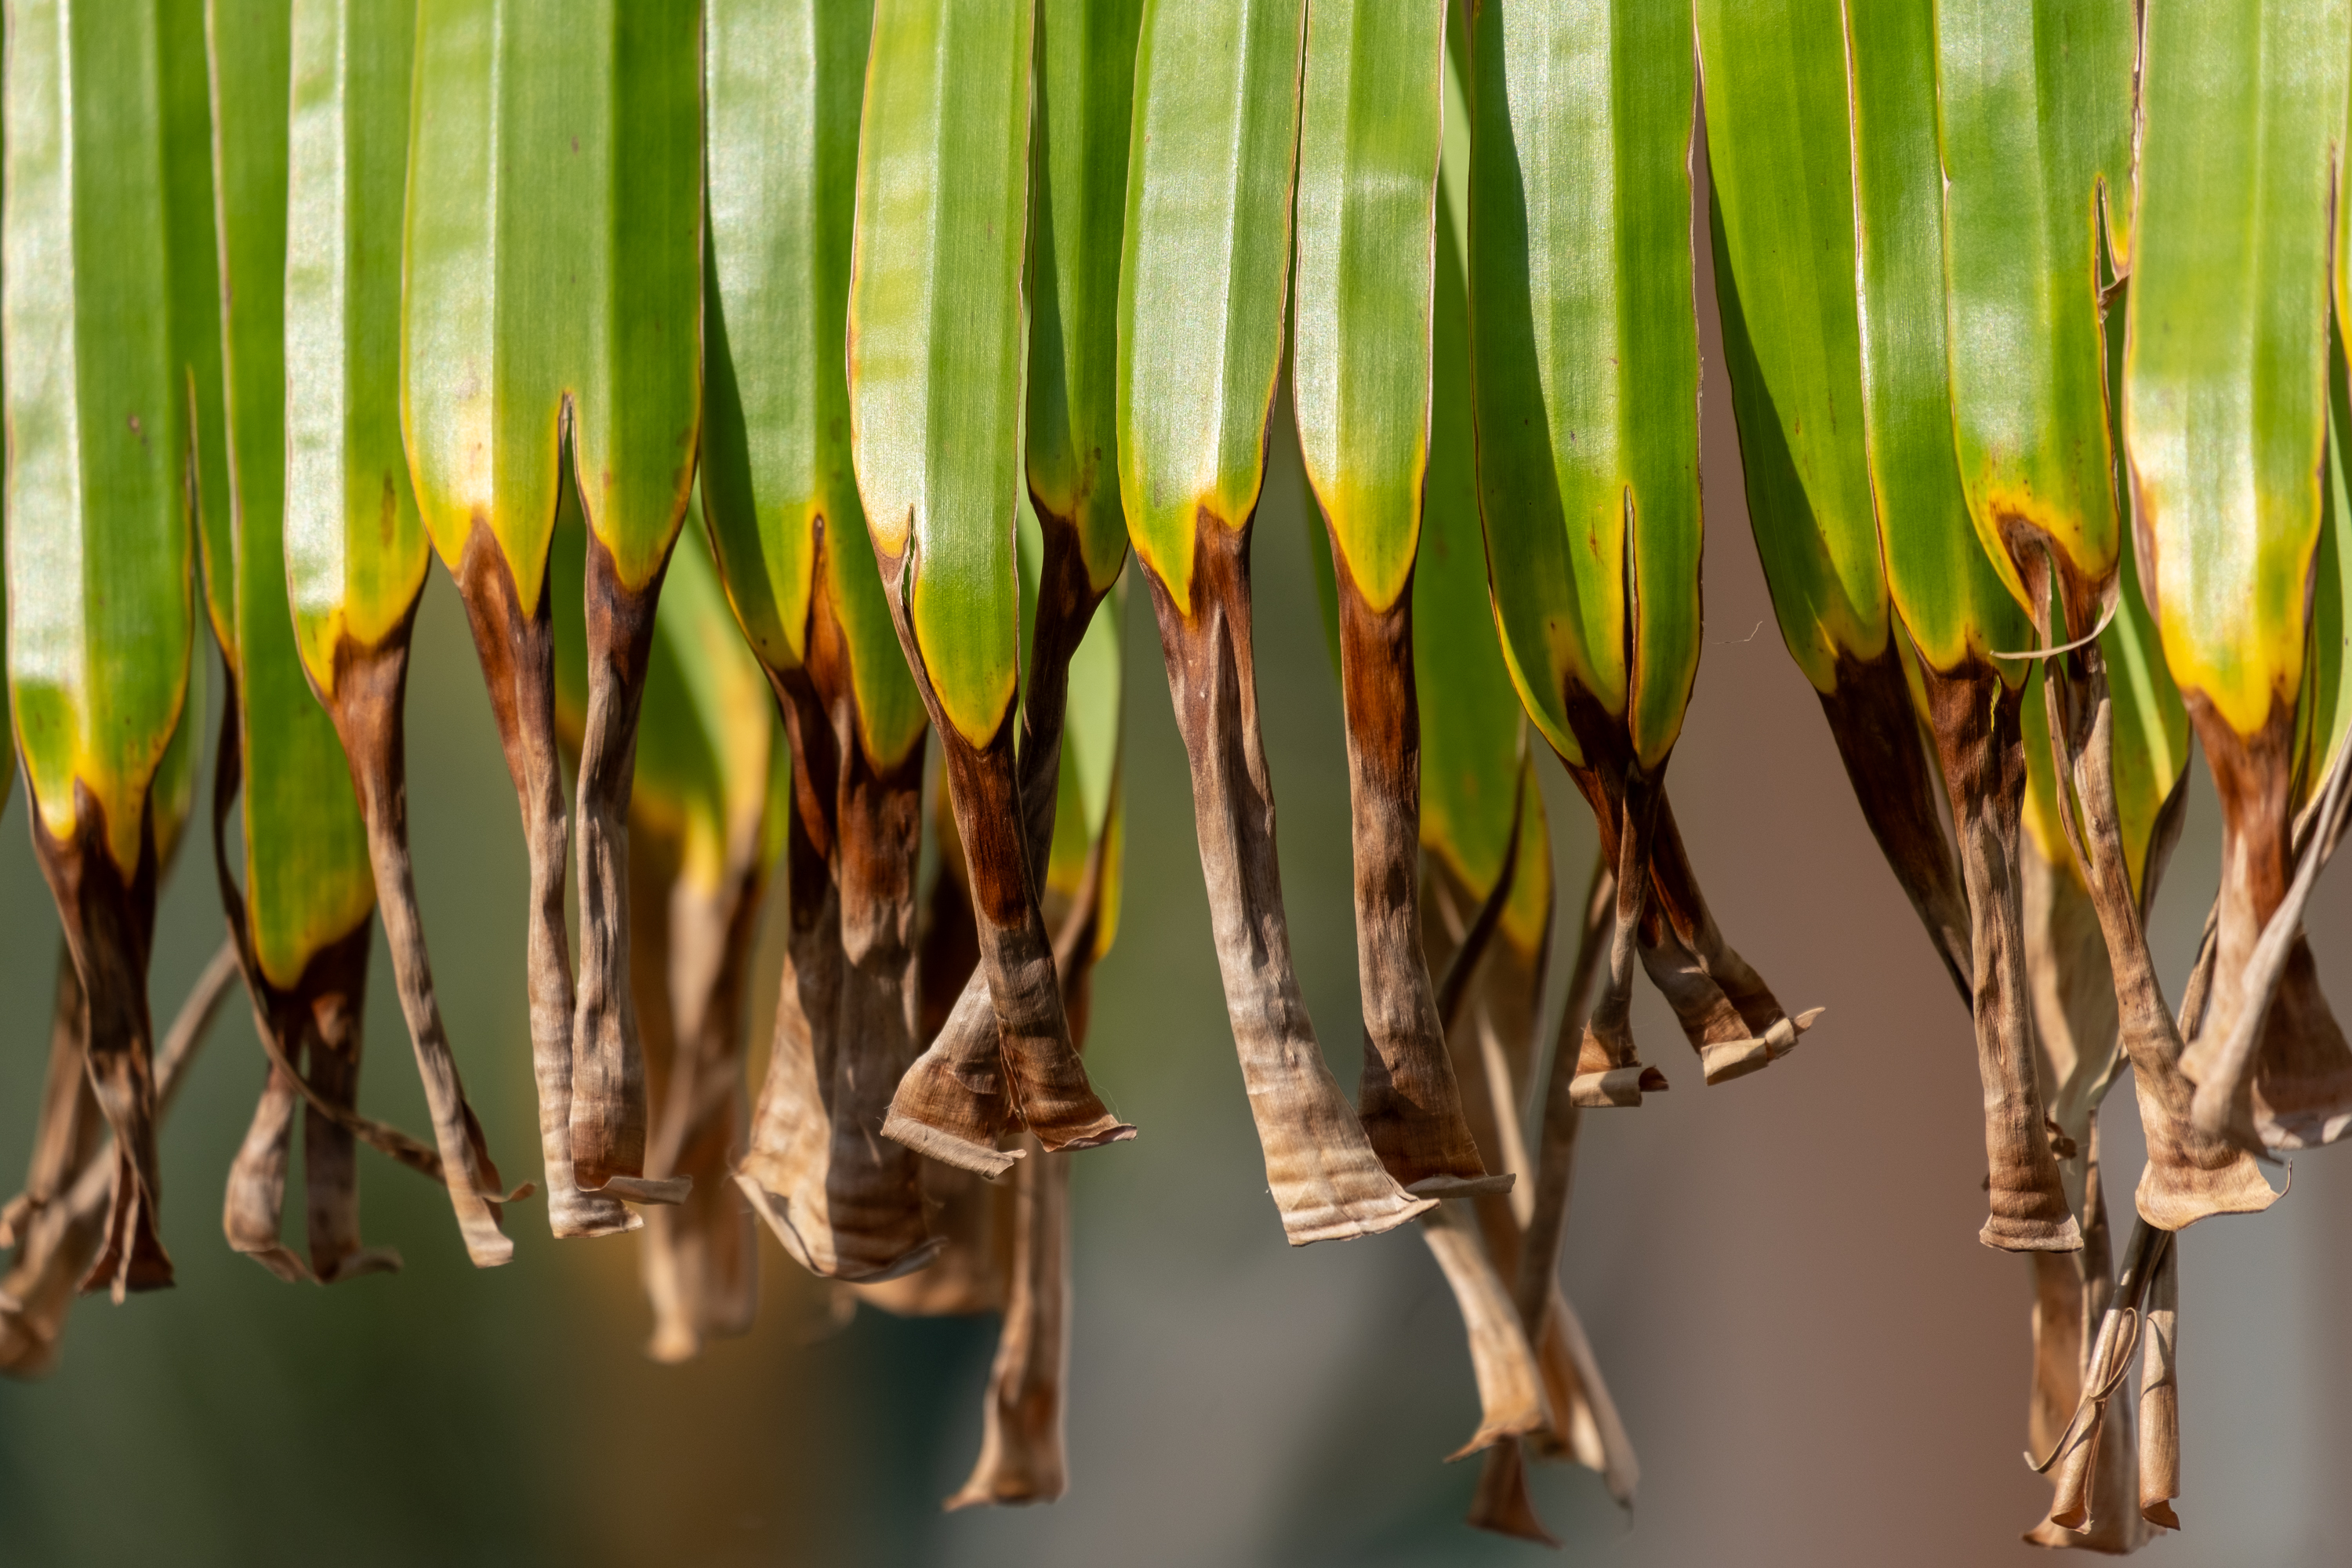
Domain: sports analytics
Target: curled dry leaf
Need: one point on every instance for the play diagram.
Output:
(301, 910)
(1083, 83)
(1591, 503)
(2159, 1393)
(1978, 727)
(1022, 1455)
(58, 1242)
(115, 457)
(1202, 284)
(510, 403)
(784, 86)
(2027, 156)
(971, 1215)
(2095, 1462)
(1510, 1389)
(69, 1124)
(846, 1203)
(2226, 437)
(1487, 906)
(707, 817)
(1583, 1422)
(935, 375)
(2191, 1173)
(355, 552)
(2073, 1294)
(1369, 137)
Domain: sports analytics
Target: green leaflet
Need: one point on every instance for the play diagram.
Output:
(707, 734)
(1370, 125)
(1092, 720)
(1828, 229)
(1779, 153)
(2034, 105)
(2151, 733)
(554, 260)
(1085, 105)
(2225, 379)
(1090, 804)
(1473, 726)
(1205, 268)
(935, 339)
(1585, 356)
(172, 799)
(1472, 734)
(355, 547)
(784, 84)
(111, 332)
(308, 881)
(2151, 739)
(1946, 589)
(2325, 717)
(2150, 744)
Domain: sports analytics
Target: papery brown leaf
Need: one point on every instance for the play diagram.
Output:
(63, 1237)
(846, 1203)
(954, 1101)
(2191, 1173)
(1326, 1179)
(109, 923)
(517, 648)
(1022, 1456)
(1978, 733)
(689, 959)
(608, 1102)
(70, 1122)
(2160, 1395)
(368, 706)
(2269, 1059)
(2096, 1461)
(1410, 1103)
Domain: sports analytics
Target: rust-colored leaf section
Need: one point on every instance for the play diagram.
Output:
(58, 1240)
(110, 925)
(309, 1032)
(1893, 775)
(944, 1107)
(1409, 1101)
(368, 704)
(2286, 1082)
(1726, 1012)
(2191, 1172)
(1525, 1240)
(952, 1103)
(314, 1025)
(1327, 1181)
(517, 649)
(1978, 735)
(608, 1074)
(1022, 1452)
(845, 1201)
(971, 1216)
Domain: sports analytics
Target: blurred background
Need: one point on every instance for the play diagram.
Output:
(1817, 1362)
